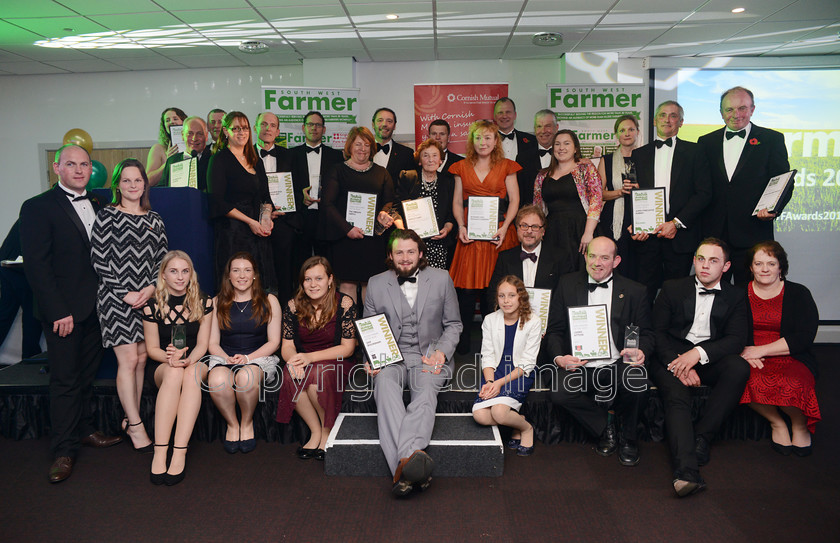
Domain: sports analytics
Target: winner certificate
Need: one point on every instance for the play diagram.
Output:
(648, 209)
(361, 211)
(482, 217)
(378, 341)
(540, 301)
(776, 190)
(282, 191)
(420, 217)
(590, 330)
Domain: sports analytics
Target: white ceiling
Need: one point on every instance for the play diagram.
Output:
(121, 35)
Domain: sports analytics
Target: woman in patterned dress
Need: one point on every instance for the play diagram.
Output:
(783, 324)
(127, 245)
(425, 182)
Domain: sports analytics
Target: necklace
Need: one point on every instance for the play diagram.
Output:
(243, 308)
(430, 184)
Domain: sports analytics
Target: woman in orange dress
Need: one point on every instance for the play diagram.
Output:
(484, 172)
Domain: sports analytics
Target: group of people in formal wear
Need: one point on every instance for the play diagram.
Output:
(290, 286)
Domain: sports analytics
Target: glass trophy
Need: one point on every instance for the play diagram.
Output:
(265, 215)
(179, 336)
(378, 229)
(631, 344)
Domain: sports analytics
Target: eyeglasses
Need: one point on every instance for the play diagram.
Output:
(314, 125)
(532, 227)
(238, 129)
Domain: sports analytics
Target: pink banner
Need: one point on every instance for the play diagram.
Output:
(459, 105)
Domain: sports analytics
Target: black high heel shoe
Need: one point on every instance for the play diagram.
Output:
(148, 448)
(172, 480)
(158, 478)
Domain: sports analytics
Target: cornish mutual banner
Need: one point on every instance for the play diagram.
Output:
(340, 108)
(458, 104)
(591, 111)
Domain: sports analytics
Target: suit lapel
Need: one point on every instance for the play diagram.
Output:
(66, 206)
(676, 167)
(719, 308)
(616, 310)
(746, 153)
(395, 293)
(423, 288)
(717, 136)
(689, 304)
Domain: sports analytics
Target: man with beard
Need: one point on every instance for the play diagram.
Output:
(389, 154)
(194, 133)
(421, 307)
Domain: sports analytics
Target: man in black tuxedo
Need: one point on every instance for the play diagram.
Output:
(681, 168)
(742, 158)
(310, 164)
(287, 227)
(195, 135)
(701, 326)
(514, 142)
(535, 159)
(391, 155)
(214, 123)
(55, 237)
(439, 131)
(623, 385)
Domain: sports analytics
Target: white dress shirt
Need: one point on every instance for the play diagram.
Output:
(545, 159)
(663, 160)
(597, 297)
(381, 157)
(313, 161)
(269, 161)
(529, 269)
(409, 289)
(701, 329)
(84, 208)
(732, 149)
(510, 146)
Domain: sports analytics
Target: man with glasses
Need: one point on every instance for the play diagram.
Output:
(310, 164)
(195, 134)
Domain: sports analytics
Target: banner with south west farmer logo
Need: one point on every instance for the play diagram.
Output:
(458, 104)
(340, 108)
(591, 111)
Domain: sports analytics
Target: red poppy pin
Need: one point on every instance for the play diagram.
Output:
(754, 141)
(525, 140)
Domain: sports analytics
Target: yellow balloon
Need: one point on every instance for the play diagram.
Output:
(79, 137)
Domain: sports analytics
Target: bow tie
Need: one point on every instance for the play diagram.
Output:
(313, 149)
(706, 291)
(740, 133)
(659, 143)
(74, 198)
(401, 279)
(264, 153)
(384, 148)
(193, 153)
(525, 255)
(544, 152)
(508, 136)
(593, 286)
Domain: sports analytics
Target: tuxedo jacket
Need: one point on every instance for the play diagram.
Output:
(300, 168)
(56, 255)
(550, 267)
(436, 307)
(690, 191)
(451, 158)
(730, 215)
(673, 316)
(203, 161)
(525, 143)
(529, 159)
(629, 305)
(400, 158)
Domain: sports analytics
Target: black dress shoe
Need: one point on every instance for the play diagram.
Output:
(702, 450)
(417, 468)
(608, 442)
(784, 450)
(628, 453)
(231, 447)
(305, 454)
(248, 445)
(100, 440)
(320, 454)
(402, 488)
(801, 452)
(61, 469)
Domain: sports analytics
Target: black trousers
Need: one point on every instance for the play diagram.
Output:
(587, 393)
(727, 378)
(283, 237)
(657, 262)
(74, 361)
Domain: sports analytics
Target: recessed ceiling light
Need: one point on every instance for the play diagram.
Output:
(68, 29)
(392, 17)
(547, 39)
(253, 47)
(738, 10)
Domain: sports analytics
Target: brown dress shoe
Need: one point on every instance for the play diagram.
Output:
(100, 440)
(61, 469)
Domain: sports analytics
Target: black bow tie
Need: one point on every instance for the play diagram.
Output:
(593, 286)
(194, 153)
(739, 133)
(508, 136)
(659, 143)
(544, 152)
(313, 149)
(264, 153)
(384, 148)
(401, 279)
(706, 291)
(524, 255)
(85, 196)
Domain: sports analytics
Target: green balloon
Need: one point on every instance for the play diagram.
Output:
(98, 177)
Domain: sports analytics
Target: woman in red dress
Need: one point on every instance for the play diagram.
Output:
(783, 366)
(485, 172)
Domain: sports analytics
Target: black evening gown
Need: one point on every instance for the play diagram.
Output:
(566, 219)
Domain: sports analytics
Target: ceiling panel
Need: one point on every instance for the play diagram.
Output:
(205, 61)
(234, 16)
(392, 54)
(89, 65)
(104, 7)
(54, 27)
(805, 9)
(686, 33)
(33, 8)
(136, 21)
(776, 32)
(155, 62)
(173, 5)
(30, 68)
(9, 33)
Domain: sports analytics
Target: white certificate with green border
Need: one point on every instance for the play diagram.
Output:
(589, 327)
(378, 341)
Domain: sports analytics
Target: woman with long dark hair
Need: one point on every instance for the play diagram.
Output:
(163, 149)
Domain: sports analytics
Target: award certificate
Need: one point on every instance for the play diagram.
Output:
(777, 188)
(177, 136)
(590, 331)
(420, 217)
(361, 211)
(378, 341)
(648, 209)
(182, 173)
(540, 301)
(282, 191)
(482, 217)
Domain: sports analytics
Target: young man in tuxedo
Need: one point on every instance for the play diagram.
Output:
(391, 155)
(214, 123)
(514, 142)
(742, 158)
(623, 386)
(535, 159)
(681, 168)
(55, 237)
(422, 309)
(195, 134)
(701, 326)
(439, 131)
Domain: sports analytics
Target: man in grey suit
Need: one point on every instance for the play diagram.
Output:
(422, 309)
